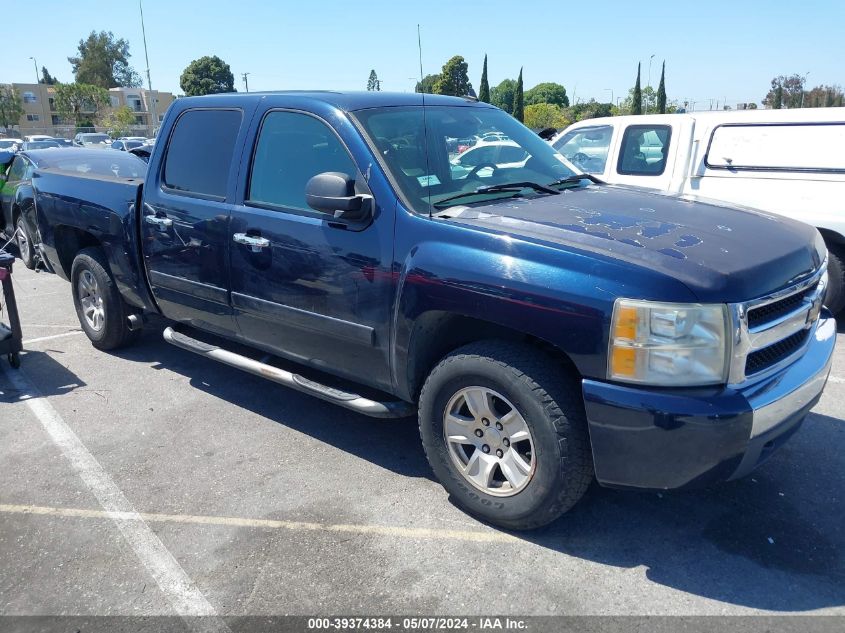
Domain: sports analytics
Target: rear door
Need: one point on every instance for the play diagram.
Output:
(186, 216)
(306, 285)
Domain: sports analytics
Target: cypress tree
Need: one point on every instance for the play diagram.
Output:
(519, 100)
(661, 91)
(484, 88)
(637, 100)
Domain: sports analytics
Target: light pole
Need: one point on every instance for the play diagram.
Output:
(649, 81)
(246, 81)
(35, 63)
(807, 74)
(153, 117)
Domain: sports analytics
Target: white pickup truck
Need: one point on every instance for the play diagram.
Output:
(788, 162)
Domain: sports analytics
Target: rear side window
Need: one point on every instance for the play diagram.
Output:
(778, 147)
(200, 152)
(293, 148)
(644, 150)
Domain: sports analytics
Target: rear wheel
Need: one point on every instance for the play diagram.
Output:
(101, 310)
(505, 433)
(26, 249)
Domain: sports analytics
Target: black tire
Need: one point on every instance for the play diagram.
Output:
(835, 299)
(549, 401)
(26, 247)
(15, 360)
(114, 331)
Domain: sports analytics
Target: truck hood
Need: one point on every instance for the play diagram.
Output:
(721, 253)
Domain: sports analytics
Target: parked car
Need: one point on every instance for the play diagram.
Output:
(788, 162)
(85, 139)
(486, 157)
(125, 145)
(30, 145)
(64, 142)
(37, 137)
(546, 330)
(10, 144)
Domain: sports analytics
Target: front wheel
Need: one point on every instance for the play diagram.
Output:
(835, 299)
(99, 306)
(505, 433)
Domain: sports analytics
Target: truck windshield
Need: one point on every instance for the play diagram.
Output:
(448, 152)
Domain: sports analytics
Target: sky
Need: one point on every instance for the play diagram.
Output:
(714, 50)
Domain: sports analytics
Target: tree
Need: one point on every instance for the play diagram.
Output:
(120, 121)
(207, 75)
(426, 85)
(502, 95)
(454, 79)
(539, 116)
(80, 103)
(637, 97)
(104, 62)
(11, 107)
(548, 92)
(519, 99)
(47, 78)
(823, 96)
(661, 91)
(785, 92)
(588, 110)
(484, 86)
(373, 83)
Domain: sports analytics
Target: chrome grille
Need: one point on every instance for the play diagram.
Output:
(772, 331)
(773, 311)
(773, 354)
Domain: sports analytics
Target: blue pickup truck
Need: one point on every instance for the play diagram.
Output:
(547, 329)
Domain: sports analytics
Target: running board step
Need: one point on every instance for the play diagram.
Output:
(374, 408)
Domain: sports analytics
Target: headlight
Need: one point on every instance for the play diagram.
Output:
(668, 344)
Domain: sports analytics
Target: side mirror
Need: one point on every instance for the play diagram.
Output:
(334, 192)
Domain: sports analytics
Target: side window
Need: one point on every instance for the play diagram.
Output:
(200, 151)
(292, 148)
(644, 149)
(586, 148)
(116, 145)
(18, 169)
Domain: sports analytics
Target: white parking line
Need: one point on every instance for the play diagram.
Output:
(477, 536)
(177, 587)
(51, 337)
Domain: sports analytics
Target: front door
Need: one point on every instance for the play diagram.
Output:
(185, 223)
(304, 284)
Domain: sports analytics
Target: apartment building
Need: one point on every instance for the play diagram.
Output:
(40, 116)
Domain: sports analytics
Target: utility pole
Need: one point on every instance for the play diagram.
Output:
(611, 94)
(649, 81)
(37, 76)
(153, 115)
(803, 83)
(246, 81)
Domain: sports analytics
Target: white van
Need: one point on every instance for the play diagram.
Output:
(790, 162)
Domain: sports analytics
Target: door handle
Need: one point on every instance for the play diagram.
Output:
(255, 243)
(161, 223)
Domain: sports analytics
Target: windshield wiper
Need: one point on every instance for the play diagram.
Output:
(505, 187)
(576, 178)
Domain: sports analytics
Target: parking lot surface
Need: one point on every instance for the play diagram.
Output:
(150, 482)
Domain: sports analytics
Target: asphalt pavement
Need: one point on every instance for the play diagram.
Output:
(150, 481)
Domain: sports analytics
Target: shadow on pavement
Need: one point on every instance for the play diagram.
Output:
(771, 541)
(53, 377)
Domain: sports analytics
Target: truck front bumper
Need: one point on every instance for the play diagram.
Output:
(670, 438)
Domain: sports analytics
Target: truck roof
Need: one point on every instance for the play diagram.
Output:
(347, 101)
